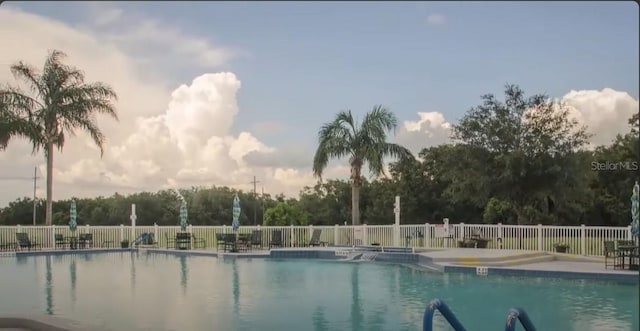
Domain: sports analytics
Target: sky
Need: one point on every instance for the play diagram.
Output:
(214, 93)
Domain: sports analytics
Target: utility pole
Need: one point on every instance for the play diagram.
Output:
(255, 203)
(262, 200)
(35, 203)
(35, 183)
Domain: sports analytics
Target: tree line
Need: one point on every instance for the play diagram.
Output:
(591, 187)
(520, 160)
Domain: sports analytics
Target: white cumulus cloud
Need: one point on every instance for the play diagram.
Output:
(605, 112)
(167, 136)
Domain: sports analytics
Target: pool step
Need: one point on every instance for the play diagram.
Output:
(516, 259)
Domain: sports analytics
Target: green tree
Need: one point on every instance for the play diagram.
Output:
(522, 150)
(363, 144)
(285, 214)
(57, 103)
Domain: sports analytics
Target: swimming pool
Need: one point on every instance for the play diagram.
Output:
(140, 291)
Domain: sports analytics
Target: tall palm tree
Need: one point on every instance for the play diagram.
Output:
(57, 103)
(364, 143)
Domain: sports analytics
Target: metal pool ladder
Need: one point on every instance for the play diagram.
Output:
(515, 314)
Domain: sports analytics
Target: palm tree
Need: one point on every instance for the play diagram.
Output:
(58, 103)
(366, 143)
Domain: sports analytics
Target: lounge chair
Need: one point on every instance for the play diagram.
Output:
(611, 253)
(60, 241)
(276, 239)
(23, 241)
(315, 238)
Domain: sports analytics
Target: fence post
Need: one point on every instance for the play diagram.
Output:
(335, 234)
(155, 233)
(190, 231)
(500, 236)
(629, 234)
(365, 235)
(461, 227)
(291, 236)
(52, 237)
(310, 232)
(427, 235)
(121, 232)
(539, 237)
(583, 240)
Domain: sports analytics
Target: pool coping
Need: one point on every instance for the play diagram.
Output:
(356, 254)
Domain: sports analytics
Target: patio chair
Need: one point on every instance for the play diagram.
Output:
(201, 241)
(85, 240)
(276, 239)
(23, 241)
(170, 241)
(256, 238)
(315, 238)
(611, 253)
(229, 241)
(220, 241)
(60, 241)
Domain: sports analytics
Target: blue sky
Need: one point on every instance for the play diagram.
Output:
(303, 61)
(299, 63)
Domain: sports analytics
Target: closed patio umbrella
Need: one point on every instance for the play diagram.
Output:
(183, 215)
(635, 210)
(236, 213)
(73, 214)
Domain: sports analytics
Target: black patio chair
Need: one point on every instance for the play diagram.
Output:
(60, 241)
(85, 240)
(611, 253)
(256, 238)
(276, 239)
(315, 238)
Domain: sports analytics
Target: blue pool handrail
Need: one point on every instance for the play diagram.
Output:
(437, 304)
(515, 315)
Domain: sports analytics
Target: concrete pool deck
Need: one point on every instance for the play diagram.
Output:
(465, 260)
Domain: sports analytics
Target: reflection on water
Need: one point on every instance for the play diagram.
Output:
(48, 287)
(236, 289)
(319, 321)
(183, 273)
(133, 271)
(293, 295)
(72, 274)
(356, 307)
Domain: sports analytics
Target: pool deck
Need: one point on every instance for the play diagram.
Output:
(465, 260)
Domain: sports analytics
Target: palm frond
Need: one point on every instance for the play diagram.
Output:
(377, 123)
(30, 75)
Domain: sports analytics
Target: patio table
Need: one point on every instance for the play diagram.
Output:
(631, 252)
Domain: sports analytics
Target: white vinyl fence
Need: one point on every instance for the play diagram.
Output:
(582, 240)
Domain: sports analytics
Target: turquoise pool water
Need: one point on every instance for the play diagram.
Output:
(140, 291)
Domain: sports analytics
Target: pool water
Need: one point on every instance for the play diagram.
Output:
(146, 291)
